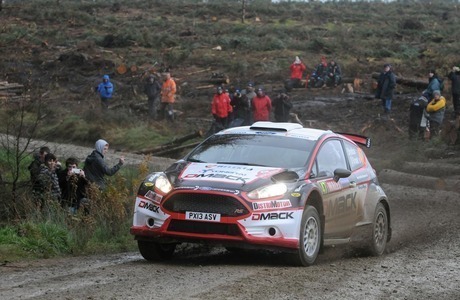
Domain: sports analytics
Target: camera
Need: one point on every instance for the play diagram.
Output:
(76, 171)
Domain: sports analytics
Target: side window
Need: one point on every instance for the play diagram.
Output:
(354, 157)
(330, 157)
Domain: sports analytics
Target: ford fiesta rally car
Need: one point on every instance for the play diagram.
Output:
(270, 185)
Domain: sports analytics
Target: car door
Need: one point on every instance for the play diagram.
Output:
(339, 197)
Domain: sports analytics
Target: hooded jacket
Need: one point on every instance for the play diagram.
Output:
(297, 70)
(95, 166)
(261, 107)
(221, 105)
(105, 89)
(436, 110)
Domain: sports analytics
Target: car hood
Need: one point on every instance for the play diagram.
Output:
(230, 176)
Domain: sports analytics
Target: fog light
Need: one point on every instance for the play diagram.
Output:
(150, 222)
(271, 231)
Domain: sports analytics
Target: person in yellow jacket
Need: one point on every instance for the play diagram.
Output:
(435, 110)
(168, 92)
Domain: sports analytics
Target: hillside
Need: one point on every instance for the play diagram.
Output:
(60, 49)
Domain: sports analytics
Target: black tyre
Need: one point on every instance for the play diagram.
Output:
(153, 251)
(309, 238)
(379, 235)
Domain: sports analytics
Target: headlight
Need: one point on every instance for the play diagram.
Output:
(162, 183)
(268, 191)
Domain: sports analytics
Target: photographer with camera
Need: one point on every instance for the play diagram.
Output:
(72, 182)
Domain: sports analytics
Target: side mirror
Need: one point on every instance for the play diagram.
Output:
(341, 173)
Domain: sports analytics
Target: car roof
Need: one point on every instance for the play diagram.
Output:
(284, 129)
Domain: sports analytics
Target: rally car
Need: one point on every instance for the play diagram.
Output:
(275, 186)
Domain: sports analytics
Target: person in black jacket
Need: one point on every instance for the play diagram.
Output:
(152, 89)
(385, 87)
(73, 183)
(282, 105)
(95, 167)
(454, 77)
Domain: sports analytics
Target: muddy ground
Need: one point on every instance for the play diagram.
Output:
(421, 261)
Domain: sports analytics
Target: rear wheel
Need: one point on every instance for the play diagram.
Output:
(309, 238)
(379, 236)
(153, 251)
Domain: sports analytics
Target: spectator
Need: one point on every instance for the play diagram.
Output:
(34, 167)
(282, 105)
(221, 107)
(152, 89)
(105, 90)
(435, 110)
(261, 106)
(318, 77)
(95, 167)
(168, 93)
(241, 112)
(73, 184)
(47, 182)
(297, 68)
(434, 84)
(385, 87)
(454, 77)
(250, 94)
(417, 108)
(334, 74)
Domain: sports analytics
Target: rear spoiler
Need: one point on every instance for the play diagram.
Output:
(358, 139)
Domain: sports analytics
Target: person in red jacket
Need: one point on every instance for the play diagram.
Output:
(261, 106)
(297, 68)
(221, 107)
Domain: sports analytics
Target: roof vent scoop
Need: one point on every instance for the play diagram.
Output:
(272, 126)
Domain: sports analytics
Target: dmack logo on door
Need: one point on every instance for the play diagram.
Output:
(341, 205)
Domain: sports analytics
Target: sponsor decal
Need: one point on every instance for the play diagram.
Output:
(150, 206)
(323, 186)
(266, 173)
(297, 195)
(150, 195)
(330, 186)
(215, 176)
(342, 205)
(273, 216)
(206, 188)
(271, 204)
(362, 186)
(149, 184)
(362, 176)
(231, 173)
(201, 216)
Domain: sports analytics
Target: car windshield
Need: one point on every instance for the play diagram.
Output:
(262, 150)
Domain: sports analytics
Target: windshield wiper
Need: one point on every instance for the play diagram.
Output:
(195, 160)
(240, 163)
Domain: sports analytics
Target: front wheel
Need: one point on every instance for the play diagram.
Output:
(153, 251)
(309, 238)
(379, 236)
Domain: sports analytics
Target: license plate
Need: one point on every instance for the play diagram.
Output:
(201, 216)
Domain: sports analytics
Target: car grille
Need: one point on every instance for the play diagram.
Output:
(226, 206)
(203, 227)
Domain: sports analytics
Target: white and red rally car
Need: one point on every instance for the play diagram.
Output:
(270, 185)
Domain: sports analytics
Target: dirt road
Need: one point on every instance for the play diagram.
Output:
(422, 262)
